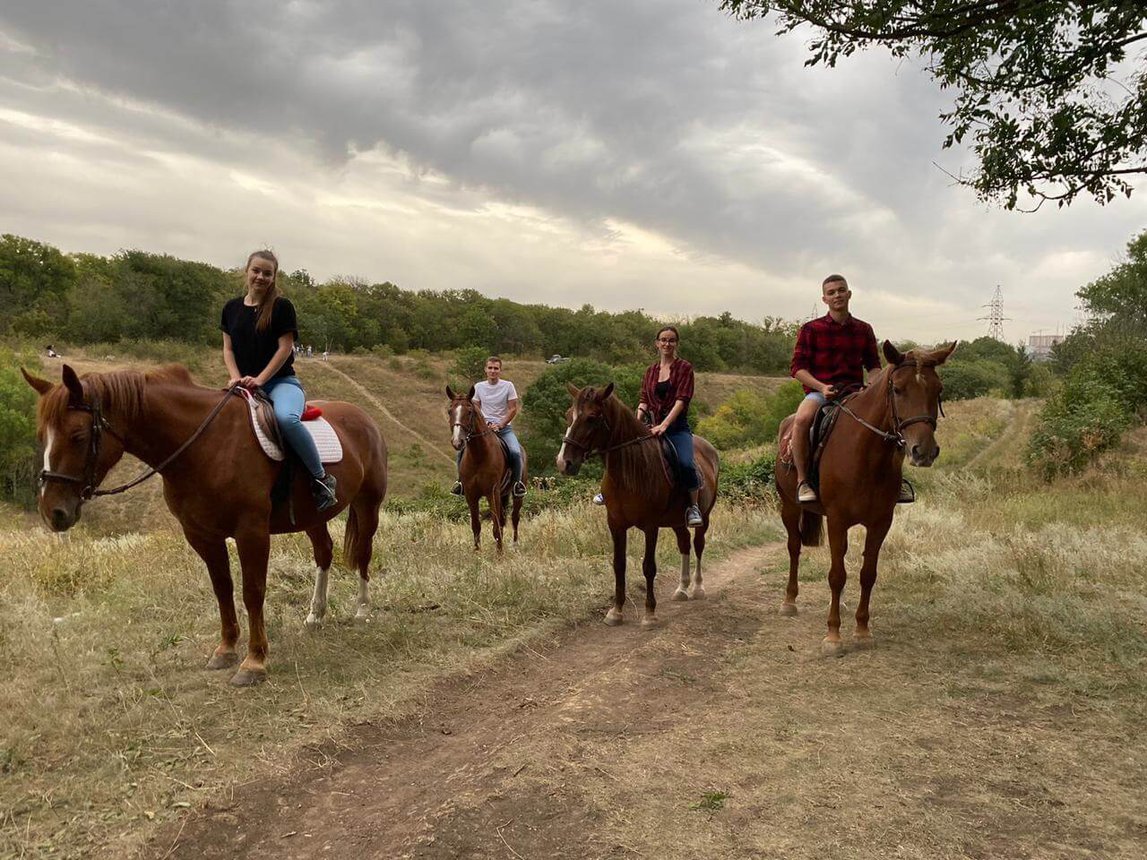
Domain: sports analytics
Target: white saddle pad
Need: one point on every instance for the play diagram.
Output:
(321, 430)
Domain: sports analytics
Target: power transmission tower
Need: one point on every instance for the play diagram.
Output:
(995, 317)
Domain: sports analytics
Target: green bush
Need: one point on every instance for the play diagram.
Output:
(749, 417)
(748, 483)
(976, 378)
(17, 429)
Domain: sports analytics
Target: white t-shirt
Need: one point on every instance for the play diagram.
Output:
(495, 399)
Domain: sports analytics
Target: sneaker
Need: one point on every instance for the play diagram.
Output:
(907, 493)
(456, 490)
(323, 489)
(693, 517)
(805, 493)
(519, 489)
(599, 499)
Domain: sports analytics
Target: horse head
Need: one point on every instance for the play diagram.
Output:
(586, 427)
(465, 418)
(80, 447)
(914, 390)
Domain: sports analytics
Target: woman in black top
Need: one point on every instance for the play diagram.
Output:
(259, 333)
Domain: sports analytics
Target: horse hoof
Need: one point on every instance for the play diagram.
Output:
(313, 621)
(863, 640)
(788, 609)
(649, 622)
(680, 594)
(362, 616)
(223, 660)
(698, 593)
(248, 677)
(613, 618)
(831, 647)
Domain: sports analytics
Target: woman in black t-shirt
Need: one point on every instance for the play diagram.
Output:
(259, 333)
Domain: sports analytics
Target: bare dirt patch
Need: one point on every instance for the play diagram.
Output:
(722, 734)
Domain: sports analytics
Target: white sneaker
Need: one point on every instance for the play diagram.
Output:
(599, 499)
(805, 493)
(693, 517)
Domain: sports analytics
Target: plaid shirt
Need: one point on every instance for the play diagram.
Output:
(680, 388)
(836, 353)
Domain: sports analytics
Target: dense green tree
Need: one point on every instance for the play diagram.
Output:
(34, 283)
(17, 429)
(1045, 89)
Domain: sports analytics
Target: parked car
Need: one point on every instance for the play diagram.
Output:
(556, 359)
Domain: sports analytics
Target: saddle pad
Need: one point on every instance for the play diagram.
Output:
(326, 439)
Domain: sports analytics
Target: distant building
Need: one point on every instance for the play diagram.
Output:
(1039, 345)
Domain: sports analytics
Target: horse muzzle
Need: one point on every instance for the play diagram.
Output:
(62, 515)
(923, 454)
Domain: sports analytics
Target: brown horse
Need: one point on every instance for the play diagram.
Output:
(484, 470)
(218, 486)
(638, 490)
(860, 473)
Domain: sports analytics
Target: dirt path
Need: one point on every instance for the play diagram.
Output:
(722, 734)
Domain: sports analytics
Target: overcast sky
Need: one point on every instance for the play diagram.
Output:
(625, 153)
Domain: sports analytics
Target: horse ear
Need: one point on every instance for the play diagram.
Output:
(74, 386)
(450, 392)
(470, 393)
(605, 394)
(41, 385)
(574, 391)
(891, 353)
(944, 353)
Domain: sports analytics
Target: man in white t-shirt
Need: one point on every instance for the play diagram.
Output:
(498, 400)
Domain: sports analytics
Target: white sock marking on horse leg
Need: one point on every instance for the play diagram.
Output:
(319, 598)
(363, 610)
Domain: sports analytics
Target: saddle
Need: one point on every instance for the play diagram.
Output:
(823, 424)
(266, 428)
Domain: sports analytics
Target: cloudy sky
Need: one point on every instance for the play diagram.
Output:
(625, 153)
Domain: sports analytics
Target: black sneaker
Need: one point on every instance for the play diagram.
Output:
(323, 489)
(519, 489)
(693, 517)
(456, 490)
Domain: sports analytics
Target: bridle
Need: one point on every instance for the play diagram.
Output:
(100, 425)
(590, 451)
(471, 429)
(896, 435)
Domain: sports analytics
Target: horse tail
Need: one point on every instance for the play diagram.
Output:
(812, 529)
(354, 556)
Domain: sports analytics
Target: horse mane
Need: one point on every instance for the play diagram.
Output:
(635, 463)
(121, 389)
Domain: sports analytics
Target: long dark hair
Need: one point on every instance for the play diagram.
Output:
(267, 305)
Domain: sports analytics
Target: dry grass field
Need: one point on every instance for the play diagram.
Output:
(485, 702)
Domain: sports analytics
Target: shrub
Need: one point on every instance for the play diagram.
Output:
(750, 418)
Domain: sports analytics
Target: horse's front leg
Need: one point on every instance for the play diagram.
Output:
(475, 519)
(791, 517)
(213, 551)
(620, 536)
(682, 534)
(254, 548)
(322, 547)
(873, 539)
(837, 576)
(649, 568)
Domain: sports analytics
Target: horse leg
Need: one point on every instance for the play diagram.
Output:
(698, 549)
(837, 576)
(649, 568)
(214, 555)
(515, 516)
(620, 536)
(873, 539)
(254, 549)
(321, 546)
(358, 547)
(682, 535)
(791, 517)
(497, 514)
(475, 520)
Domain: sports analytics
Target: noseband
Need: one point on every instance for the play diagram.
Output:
(100, 425)
(896, 436)
(471, 432)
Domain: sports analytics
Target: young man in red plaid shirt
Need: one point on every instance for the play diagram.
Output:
(831, 354)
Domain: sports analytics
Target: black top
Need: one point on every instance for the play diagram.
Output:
(254, 349)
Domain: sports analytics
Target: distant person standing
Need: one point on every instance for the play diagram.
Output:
(259, 333)
(498, 400)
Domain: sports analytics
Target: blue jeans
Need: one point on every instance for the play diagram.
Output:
(682, 441)
(286, 393)
(817, 396)
(513, 448)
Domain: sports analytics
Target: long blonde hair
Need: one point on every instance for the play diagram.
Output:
(267, 305)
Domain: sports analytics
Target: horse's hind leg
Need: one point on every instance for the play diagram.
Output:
(620, 536)
(873, 539)
(698, 550)
(214, 554)
(497, 517)
(649, 568)
(682, 534)
(322, 547)
(254, 548)
(837, 576)
(791, 517)
(475, 521)
(515, 516)
(358, 546)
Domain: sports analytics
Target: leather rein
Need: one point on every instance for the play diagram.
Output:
(896, 435)
(100, 425)
(590, 451)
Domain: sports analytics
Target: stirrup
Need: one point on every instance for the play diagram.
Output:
(693, 518)
(907, 492)
(519, 489)
(324, 492)
(806, 494)
(456, 490)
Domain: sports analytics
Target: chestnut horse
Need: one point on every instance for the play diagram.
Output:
(860, 473)
(484, 470)
(638, 490)
(216, 481)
